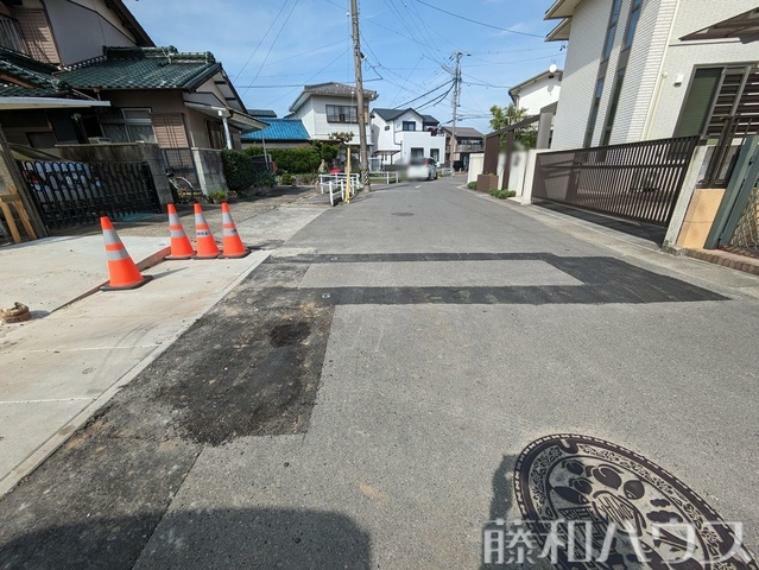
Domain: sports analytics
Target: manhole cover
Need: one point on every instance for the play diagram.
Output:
(562, 478)
(403, 214)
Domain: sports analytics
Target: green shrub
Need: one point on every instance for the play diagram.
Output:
(218, 196)
(502, 194)
(264, 179)
(286, 179)
(472, 185)
(300, 160)
(238, 169)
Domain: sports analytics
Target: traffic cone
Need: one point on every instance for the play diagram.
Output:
(181, 248)
(122, 272)
(233, 246)
(204, 241)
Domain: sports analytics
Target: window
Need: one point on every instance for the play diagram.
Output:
(624, 56)
(435, 155)
(342, 114)
(611, 30)
(716, 95)
(10, 35)
(632, 23)
(417, 153)
(594, 112)
(611, 111)
(409, 125)
(128, 125)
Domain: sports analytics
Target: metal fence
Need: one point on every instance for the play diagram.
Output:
(636, 181)
(73, 193)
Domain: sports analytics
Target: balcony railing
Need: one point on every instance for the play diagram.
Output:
(10, 35)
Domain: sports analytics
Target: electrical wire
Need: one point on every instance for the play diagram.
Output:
(473, 21)
(261, 41)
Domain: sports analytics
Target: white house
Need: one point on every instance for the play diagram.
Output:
(327, 108)
(637, 70)
(400, 135)
(537, 92)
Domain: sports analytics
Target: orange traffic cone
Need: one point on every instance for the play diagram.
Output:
(233, 246)
(122, 272)
(180, 243)
(204, 241)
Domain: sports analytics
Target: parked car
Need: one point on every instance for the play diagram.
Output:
(422, 169)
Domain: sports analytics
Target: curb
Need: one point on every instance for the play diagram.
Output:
(29, 464)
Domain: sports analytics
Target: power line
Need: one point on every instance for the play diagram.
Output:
(423, 94)
(485, 24)
(276, 37)
(261, 41)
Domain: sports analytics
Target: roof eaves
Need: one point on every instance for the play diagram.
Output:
(202, 76)
(130, 21)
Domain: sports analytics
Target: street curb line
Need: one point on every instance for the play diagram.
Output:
(150, 261)
(50, 445)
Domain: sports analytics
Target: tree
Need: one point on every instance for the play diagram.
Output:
(502, 117)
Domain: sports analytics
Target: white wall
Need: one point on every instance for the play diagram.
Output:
(580, 71)
(535, 96)
(313, 113)
(650, 101)
(395, 138)
(683, 57)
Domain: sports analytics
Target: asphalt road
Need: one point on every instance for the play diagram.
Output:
(362, 398)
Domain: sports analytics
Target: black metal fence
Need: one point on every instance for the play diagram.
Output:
(73, 193)
(636, 181)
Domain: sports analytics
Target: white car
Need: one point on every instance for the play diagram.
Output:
(422, 169)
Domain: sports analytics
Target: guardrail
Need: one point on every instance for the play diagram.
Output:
(336, 185)
(387, 176)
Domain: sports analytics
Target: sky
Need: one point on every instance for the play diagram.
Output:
(271, 48)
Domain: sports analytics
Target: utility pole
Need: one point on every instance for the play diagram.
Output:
(456, 92)
(357, 57)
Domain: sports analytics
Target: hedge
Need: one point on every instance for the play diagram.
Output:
(238, 169)
(298, 160)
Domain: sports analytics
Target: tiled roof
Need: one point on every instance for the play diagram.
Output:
(262, 113)
(335, 89)
(279, 130)
(464, 131)
(430, 120)
(34, 74)
(329, 89)
(141, 68)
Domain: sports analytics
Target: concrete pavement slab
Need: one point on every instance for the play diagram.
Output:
(436, 273)
(22, 431)
(45, 274)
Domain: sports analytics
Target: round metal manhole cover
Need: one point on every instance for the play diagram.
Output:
(620, 502)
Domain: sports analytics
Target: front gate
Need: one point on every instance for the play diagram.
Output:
(635, 181)
(736, 226)
(73, 193)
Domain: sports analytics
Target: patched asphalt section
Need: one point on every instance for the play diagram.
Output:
(246, 368)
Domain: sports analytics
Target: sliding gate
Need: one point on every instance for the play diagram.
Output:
(635, 181)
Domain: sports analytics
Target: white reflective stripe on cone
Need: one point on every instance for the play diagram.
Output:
(116, 254)
(111, 237)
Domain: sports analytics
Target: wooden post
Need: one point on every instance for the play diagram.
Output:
(15, 197)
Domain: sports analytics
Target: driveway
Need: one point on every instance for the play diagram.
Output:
(362, 398)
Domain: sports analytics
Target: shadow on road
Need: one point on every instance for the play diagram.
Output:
(234, 538)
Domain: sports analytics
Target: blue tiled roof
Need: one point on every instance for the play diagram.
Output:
(279, 130)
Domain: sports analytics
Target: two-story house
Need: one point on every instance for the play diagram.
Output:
(468, 141)
(537, 92)
(329, 108)
(97, 51)
(638, 70)
(402, 135)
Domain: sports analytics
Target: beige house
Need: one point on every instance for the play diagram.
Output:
(95, 50)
